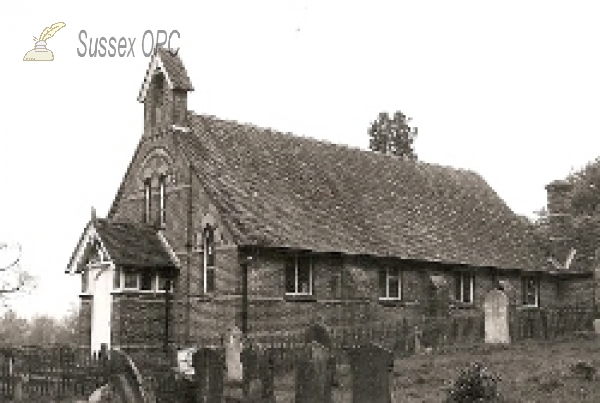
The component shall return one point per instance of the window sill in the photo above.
(86, 295)
(300, 297)
(462, 305)
(528, 307)
(396, 302)
(134, 291)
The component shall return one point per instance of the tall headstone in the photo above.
(315, 368)
(209, 373)
(314, 375)
(233, 355)
(496, 318)
(372, 368)
(267, 377)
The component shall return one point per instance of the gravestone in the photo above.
(267, 376)
(496, 318)
(233, 354)
(209, 367)
(315, 368)
(314, 375)
(235, 387)
(371, 368)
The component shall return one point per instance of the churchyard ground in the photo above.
(530, 371)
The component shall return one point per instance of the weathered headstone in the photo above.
(233, 355)
(267, 377)
(315, 368)
(371, 368)
(209, 367)
(496, 318)
(314, 375)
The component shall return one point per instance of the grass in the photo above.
(532, 371)
(529, 371)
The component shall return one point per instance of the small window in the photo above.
(117, 278)
(130, 280)
(163, 282)
(163, 195)
(209, 260)
(464, 287)
(146, 281)
(85, 281)
(299, 275)
(209, 245)
(390, 284)
(157, 96)
(147, 200)
(531, 291)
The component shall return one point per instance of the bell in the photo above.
(39, 53)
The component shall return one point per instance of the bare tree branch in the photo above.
(17, 260)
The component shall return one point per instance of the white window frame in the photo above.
(536, 282)
(310, 276)
(205, 265)
(153, 280)
(162, 203)
(147, 201)
(460, 276)
(155, 283)
(123, 287)
(389, 276)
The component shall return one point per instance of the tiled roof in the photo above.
(175, 70)
(133, 244)
(280, 190)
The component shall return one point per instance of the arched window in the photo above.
(158, 83)
(162, 181)
(209, 259)
(147, 200)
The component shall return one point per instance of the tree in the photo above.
(393, 135)
(14, 280)
(585, 198)
(13, 329)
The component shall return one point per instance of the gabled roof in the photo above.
(125, 244)
(173, 69)
(279, 190)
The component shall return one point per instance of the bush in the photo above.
(474, 384)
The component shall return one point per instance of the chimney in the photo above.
(560, 219)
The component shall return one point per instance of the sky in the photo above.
(507, 89)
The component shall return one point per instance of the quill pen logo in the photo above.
(40, 52)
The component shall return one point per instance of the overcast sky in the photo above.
(508, 90)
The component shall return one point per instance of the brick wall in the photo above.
(577, 292)
(270, 309)
(138, 319)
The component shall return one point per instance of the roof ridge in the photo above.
(325, 142)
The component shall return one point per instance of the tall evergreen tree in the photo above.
(393, 135)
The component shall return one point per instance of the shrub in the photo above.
(474, 384)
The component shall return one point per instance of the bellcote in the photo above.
(164, 93)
